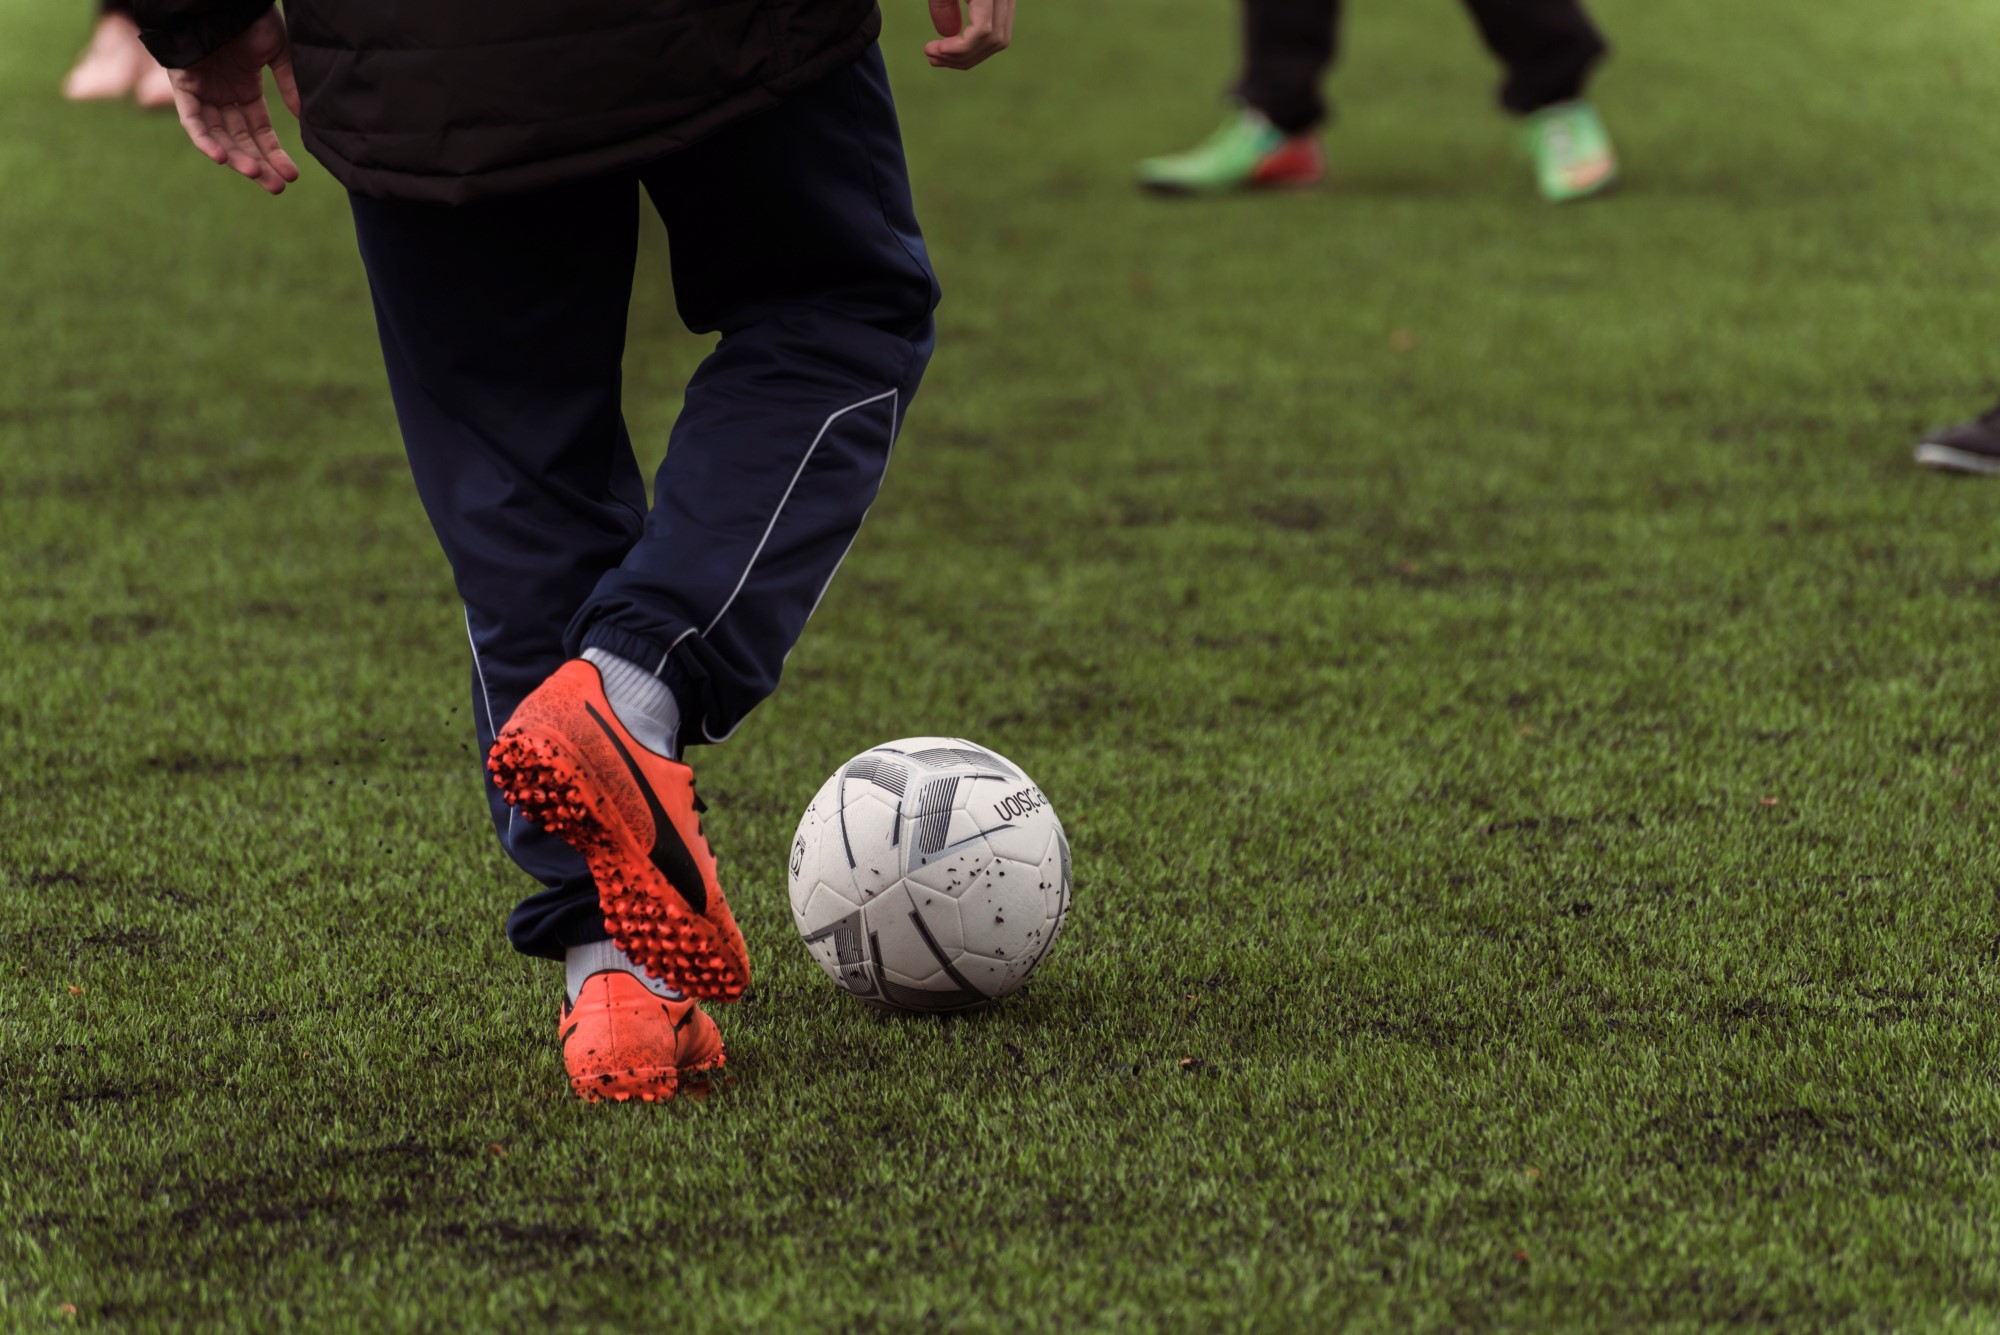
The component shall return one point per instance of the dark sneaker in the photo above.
(1969, 447)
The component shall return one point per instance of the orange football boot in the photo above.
(566, 763)
(621, 1041)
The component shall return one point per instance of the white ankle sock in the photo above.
(580, 962)
(641, 700)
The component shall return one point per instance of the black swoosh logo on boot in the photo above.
(669, 855)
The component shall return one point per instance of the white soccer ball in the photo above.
(929, 874)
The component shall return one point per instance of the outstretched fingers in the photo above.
(194, 119)
(234, 134)
(235, 156)
(239, 135)
(220, 100)
(274, 152)
(245, 155)
(262, 138)
(985, 29)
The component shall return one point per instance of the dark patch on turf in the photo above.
(1612, 1019)
(213, 765)
(118, 627)
(1562, 825)
(1289, 703)
(213, 480)
(1019, 1061)
(112, 1092)
(1744, 1139)
(959, 436)
(1245, 639)
(1776, 736)
(1751, 1011)
(305, 1191)
(68, 878)
(545, 1237)
(84, 1097)
(1141, 512)
(63, 942)
(1292, 514)
(1072, 702)
(519, 1246)
(183, 763)
(370, 474)
(1386, 1018)
(102, 628)
(1452, 793)
(125, 940)
(1446, 575)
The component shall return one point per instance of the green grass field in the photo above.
(1525, 728)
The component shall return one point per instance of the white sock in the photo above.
(641, 701)
(580, 962)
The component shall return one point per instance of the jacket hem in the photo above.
(627, 155)
(196, 37)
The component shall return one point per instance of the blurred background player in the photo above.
(1547, 46)
(1969, 447)
(116, 64)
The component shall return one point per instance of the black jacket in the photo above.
(447, 101)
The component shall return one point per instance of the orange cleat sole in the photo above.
(647, 1084)
(656, 928)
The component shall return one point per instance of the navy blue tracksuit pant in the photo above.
(503, 325)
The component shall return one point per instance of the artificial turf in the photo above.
(1525, 729)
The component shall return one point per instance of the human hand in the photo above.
(221, 102)
(983, 29)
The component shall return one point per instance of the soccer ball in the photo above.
(929, 874)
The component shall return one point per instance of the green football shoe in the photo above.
(1572, 152)
(1247, 152)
